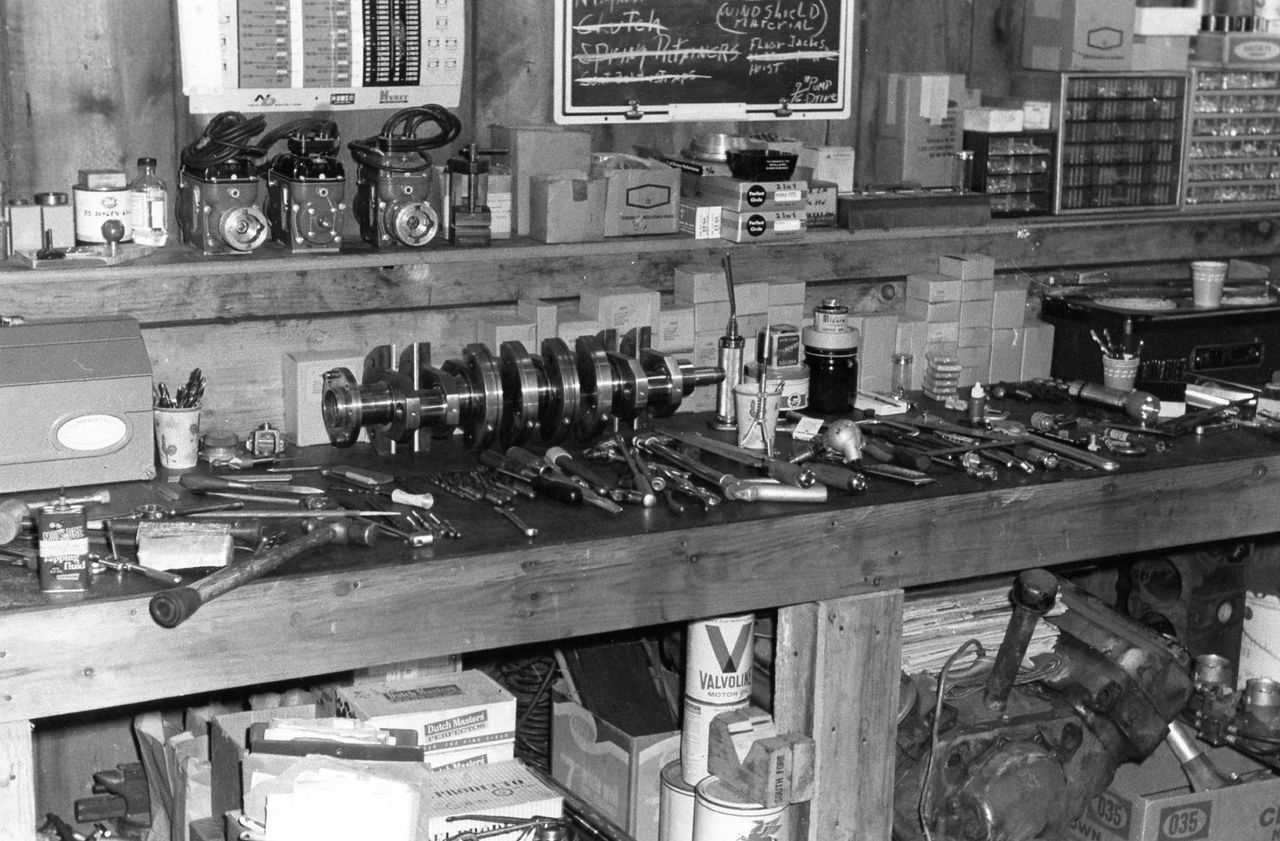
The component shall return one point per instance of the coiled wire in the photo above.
(228, 135)
(399, 139)
(529, 680)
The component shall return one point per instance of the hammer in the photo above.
(170, 608)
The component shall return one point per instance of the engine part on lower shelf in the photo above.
(402, 398)
(1016, 752)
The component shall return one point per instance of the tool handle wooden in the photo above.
(170, 608)
(834, 476)
(799, 475)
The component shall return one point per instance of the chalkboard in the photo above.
(674, 60)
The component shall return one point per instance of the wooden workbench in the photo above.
(838, 569)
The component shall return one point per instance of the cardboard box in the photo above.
(566, 206)
(1238, 49)
(733, 194)
(501, 202)
(303, 375)
(751, 297)
(820, 201)
(1037, 349)
(1009, 303)
(922, 310)
(543, 314)
(642, 196)
(969, 266)
(979, 289)
(976, 314)
(621, 308)
(759, 225)
(697, 283)
(573, 324)
(229, 746)
(493, 330)
(709, 316)
(616, 772)
(992, 120)
(830, 163)
(701, 222)
(786, 292)
(1166, 20)
(1077, 34)
(919, 134)
(537, 150)
(449, 711)
(1037, 114)
(879, 338)
(933, 287)
(1151, 801)
(787, 314)
(1160, 53)
(1006, 355)
(507, 789)
(673, 331)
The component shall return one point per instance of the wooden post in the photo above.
(836, 675)
(17, 782)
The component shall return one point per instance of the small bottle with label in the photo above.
(149, 205)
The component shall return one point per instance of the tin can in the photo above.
(96, 206)
(831, 316)
(718, 659)
(721, 814)
(791, 383)
(695, 736)
(63, 549)
(675, 805)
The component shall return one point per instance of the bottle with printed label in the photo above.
(149, 205)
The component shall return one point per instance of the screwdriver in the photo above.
(532, 469)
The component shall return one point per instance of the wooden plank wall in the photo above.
(93, 83)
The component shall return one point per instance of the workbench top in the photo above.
(588, 571)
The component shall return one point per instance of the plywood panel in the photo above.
(17, 782)
(92, 86)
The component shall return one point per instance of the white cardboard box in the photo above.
(506, 789)
(303, 373)
(449, 711)
(621, 308)
(1152, 801)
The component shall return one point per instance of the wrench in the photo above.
(510, 513)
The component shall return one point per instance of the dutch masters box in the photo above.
(449, 712)
(1153, 802)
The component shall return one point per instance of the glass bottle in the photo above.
(149, 205)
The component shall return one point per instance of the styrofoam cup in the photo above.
(1208, 277)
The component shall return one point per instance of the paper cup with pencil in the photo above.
(1119, 365)
(177, 422)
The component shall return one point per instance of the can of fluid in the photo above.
(718, 659)
(675, 805)
(695, 736)
(63, 548)
(721, 814)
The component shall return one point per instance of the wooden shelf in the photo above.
(178, 285)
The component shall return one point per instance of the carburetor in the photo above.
(217, 208)
(395, 179)
(306, 187)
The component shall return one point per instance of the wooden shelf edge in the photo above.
(176, 260)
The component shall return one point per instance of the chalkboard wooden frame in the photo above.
(695, 60)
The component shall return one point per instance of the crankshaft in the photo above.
(508, 400)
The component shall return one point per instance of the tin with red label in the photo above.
(63, 548)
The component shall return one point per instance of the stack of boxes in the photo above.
(702, 290)
(463, 718)
(963, 314)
